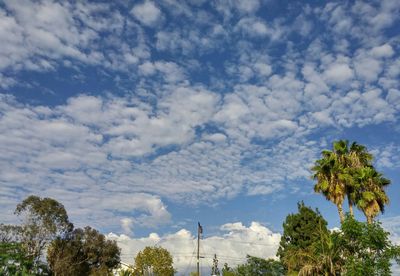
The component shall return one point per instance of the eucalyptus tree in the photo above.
(43, 219)
(83, 252)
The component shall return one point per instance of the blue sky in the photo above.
(148, 116)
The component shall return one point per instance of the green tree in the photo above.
(328, 172)
(356, 157)
(322, 257)
(83, 252)
(257, 266)
(300, 231)
(156, 260)
(366, 248)
(348, 171)
(13, 260)
(43, 220)
(370, 193)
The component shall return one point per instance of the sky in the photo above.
(146, 117)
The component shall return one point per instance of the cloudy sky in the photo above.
(145, 117)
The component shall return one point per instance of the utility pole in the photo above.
(199, 232)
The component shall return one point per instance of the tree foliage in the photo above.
(366, 248)
(13, 260)
(156, 260)
(347, 171)
(359, 248)
(300, 230)
(43, 220)
(260, 267)
(83, 252)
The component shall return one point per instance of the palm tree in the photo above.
(370, 194)
(357, 157)
(327, 172)
(335, 173)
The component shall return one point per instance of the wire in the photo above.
(190, 262)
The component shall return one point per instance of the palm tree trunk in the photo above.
(341, 214)
(350, 208)
(369, 219)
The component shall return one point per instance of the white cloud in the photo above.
(338, 73)
(147, 13)
(231, 246)
(170, 136)
(170, 71)
(253, 27)
(41, 35)
(384, 50)
(368, 68)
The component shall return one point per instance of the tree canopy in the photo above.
(43, 219)
(155, 260)
(255, 266)
(83, 252)
(348, 172)
(300, 230)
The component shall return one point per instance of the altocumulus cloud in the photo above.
(186, 127)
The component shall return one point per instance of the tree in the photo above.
(10, 233)
(370, 193)
(156, 260)
(348, 171)
(322, 257)
(357, 157)
(13, 260)
(43, 220)
(328, 172)
(83, 252)
(366, 248)
(257, 266)
(300, 231)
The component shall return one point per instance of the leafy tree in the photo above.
(322, 257)
(366, 248)
(43, 220)
(83, 252)
(300, 231)
(257, 266)
(13, 259)
(156, 260)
